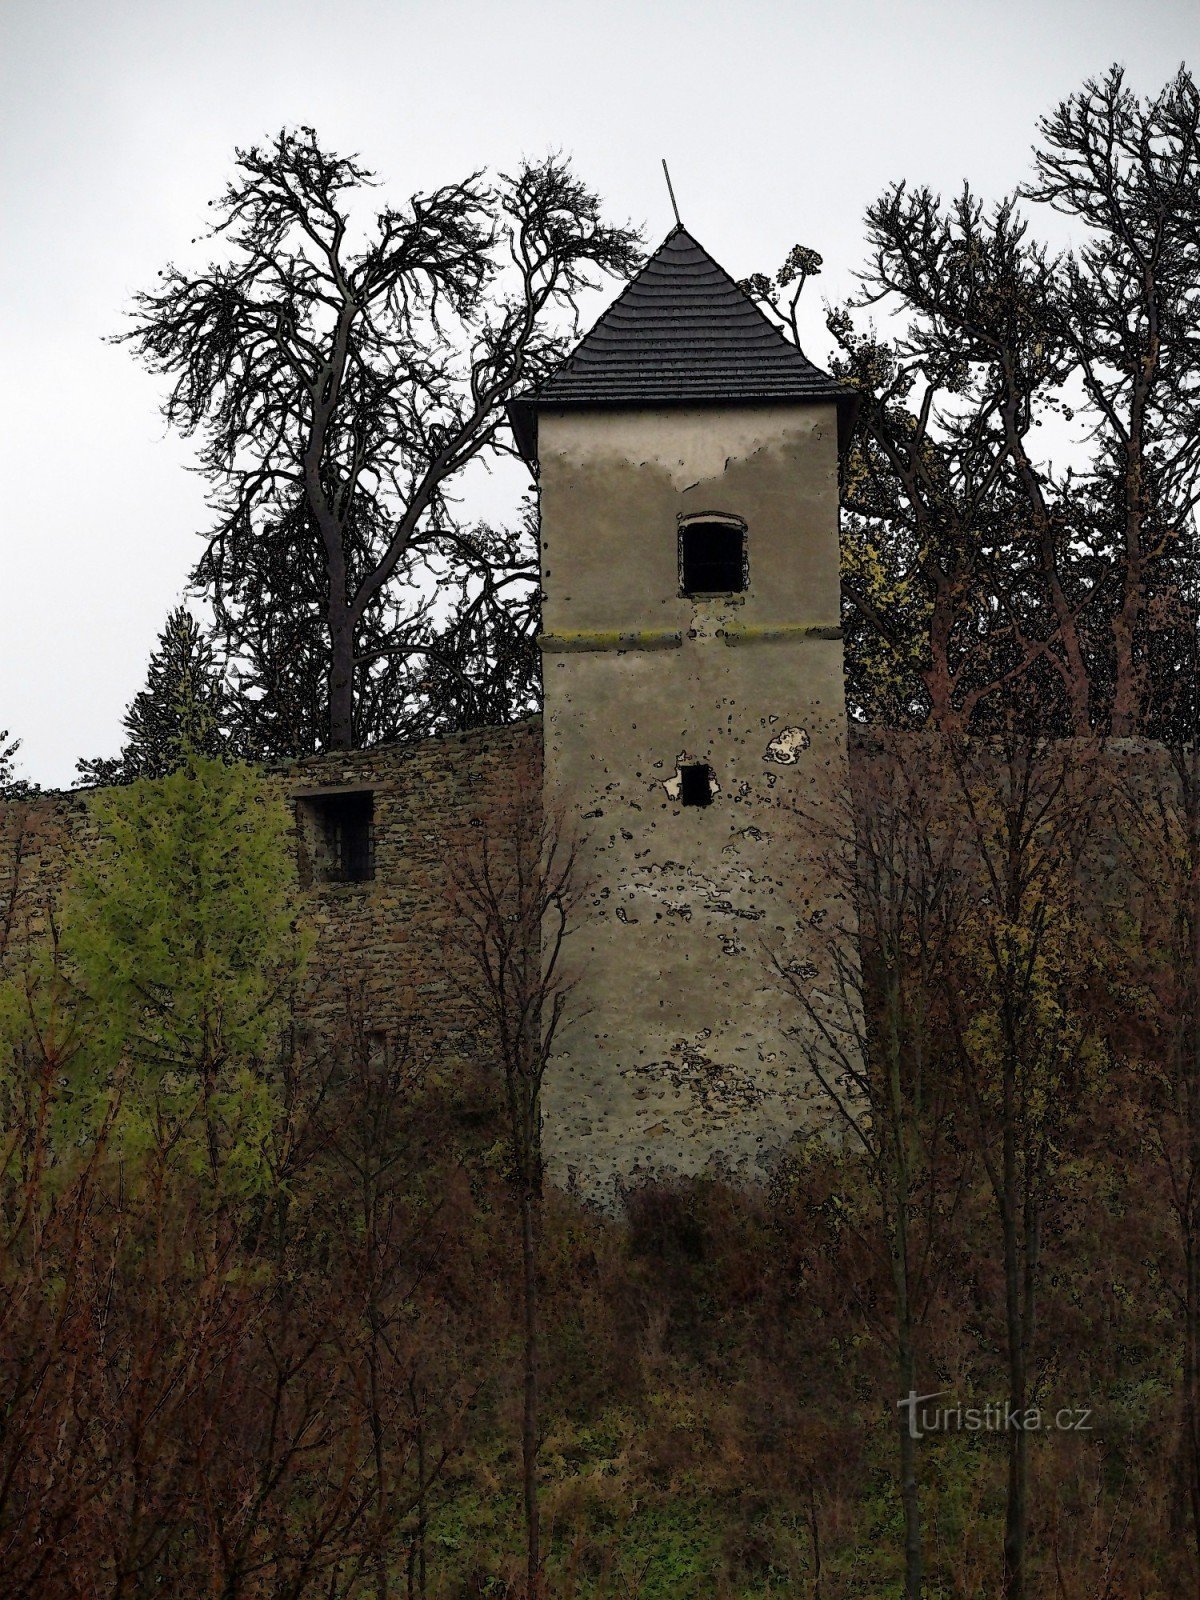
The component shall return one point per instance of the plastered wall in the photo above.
(683, 1061)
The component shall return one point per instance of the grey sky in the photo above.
(781, 122)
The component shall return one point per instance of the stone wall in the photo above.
(390, 936)
(39, 839)
(385, 937)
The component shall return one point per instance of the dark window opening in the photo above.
(348, 819)
(695, 785)
(338, 831)
(712, 557)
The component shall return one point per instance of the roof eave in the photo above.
(522, 418)
(523, 412)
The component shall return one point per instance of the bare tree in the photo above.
(870, 1001)
(949, 604)
(976, 570)
(1156, 958)
(375, 1130)
(517, 884)
(1129, 171)
(342, 390)
(989, 531)
(1026, 1049)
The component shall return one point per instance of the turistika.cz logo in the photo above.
(996, 1416)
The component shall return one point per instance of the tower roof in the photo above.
(680, 333)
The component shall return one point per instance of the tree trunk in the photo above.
(374, 1389)
(1191, 1421)
(341, 678)
(1189, 1050)
(422, 1514)
(416, 1550)
(1075, 679)
(913, 1560)
(938, 677)
(529, 1430)
(814, 1533)
(906, 1361)
(1125, 717)
(1016, 1511)
(382, 1586)
(1128, 674)
(1017, 1287)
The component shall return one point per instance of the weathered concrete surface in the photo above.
(682, 1061)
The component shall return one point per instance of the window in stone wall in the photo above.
(337, 836)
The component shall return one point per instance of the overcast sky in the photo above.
(781, 120)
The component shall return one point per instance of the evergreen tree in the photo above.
(163, 997)
(184, 709)
(12, 787)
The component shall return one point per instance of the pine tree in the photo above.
(182, 711)
(12, 787)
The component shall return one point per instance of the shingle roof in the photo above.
(681, 332)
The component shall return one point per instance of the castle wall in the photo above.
(683, 1060)
(387, 938)
(40, 837)
(731, 879)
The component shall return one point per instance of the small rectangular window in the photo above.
(337, 835)
(695, 785)
(712, 557)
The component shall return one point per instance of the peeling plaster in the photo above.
(684, 443)
(673, 785)
(786, 747)
(716, 1087)
(679, 889)
(743, 835)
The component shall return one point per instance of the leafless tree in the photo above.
(341, 390)
(990, 557)
(1157, 962)
(1129, 171)
(517, 884)
(869, 1002)
(978, 572)
(375, 1130)
(1026, 1047)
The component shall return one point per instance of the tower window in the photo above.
(337, 833)
(695, 785)
(712, 556)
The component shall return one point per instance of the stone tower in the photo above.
(688, 462)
